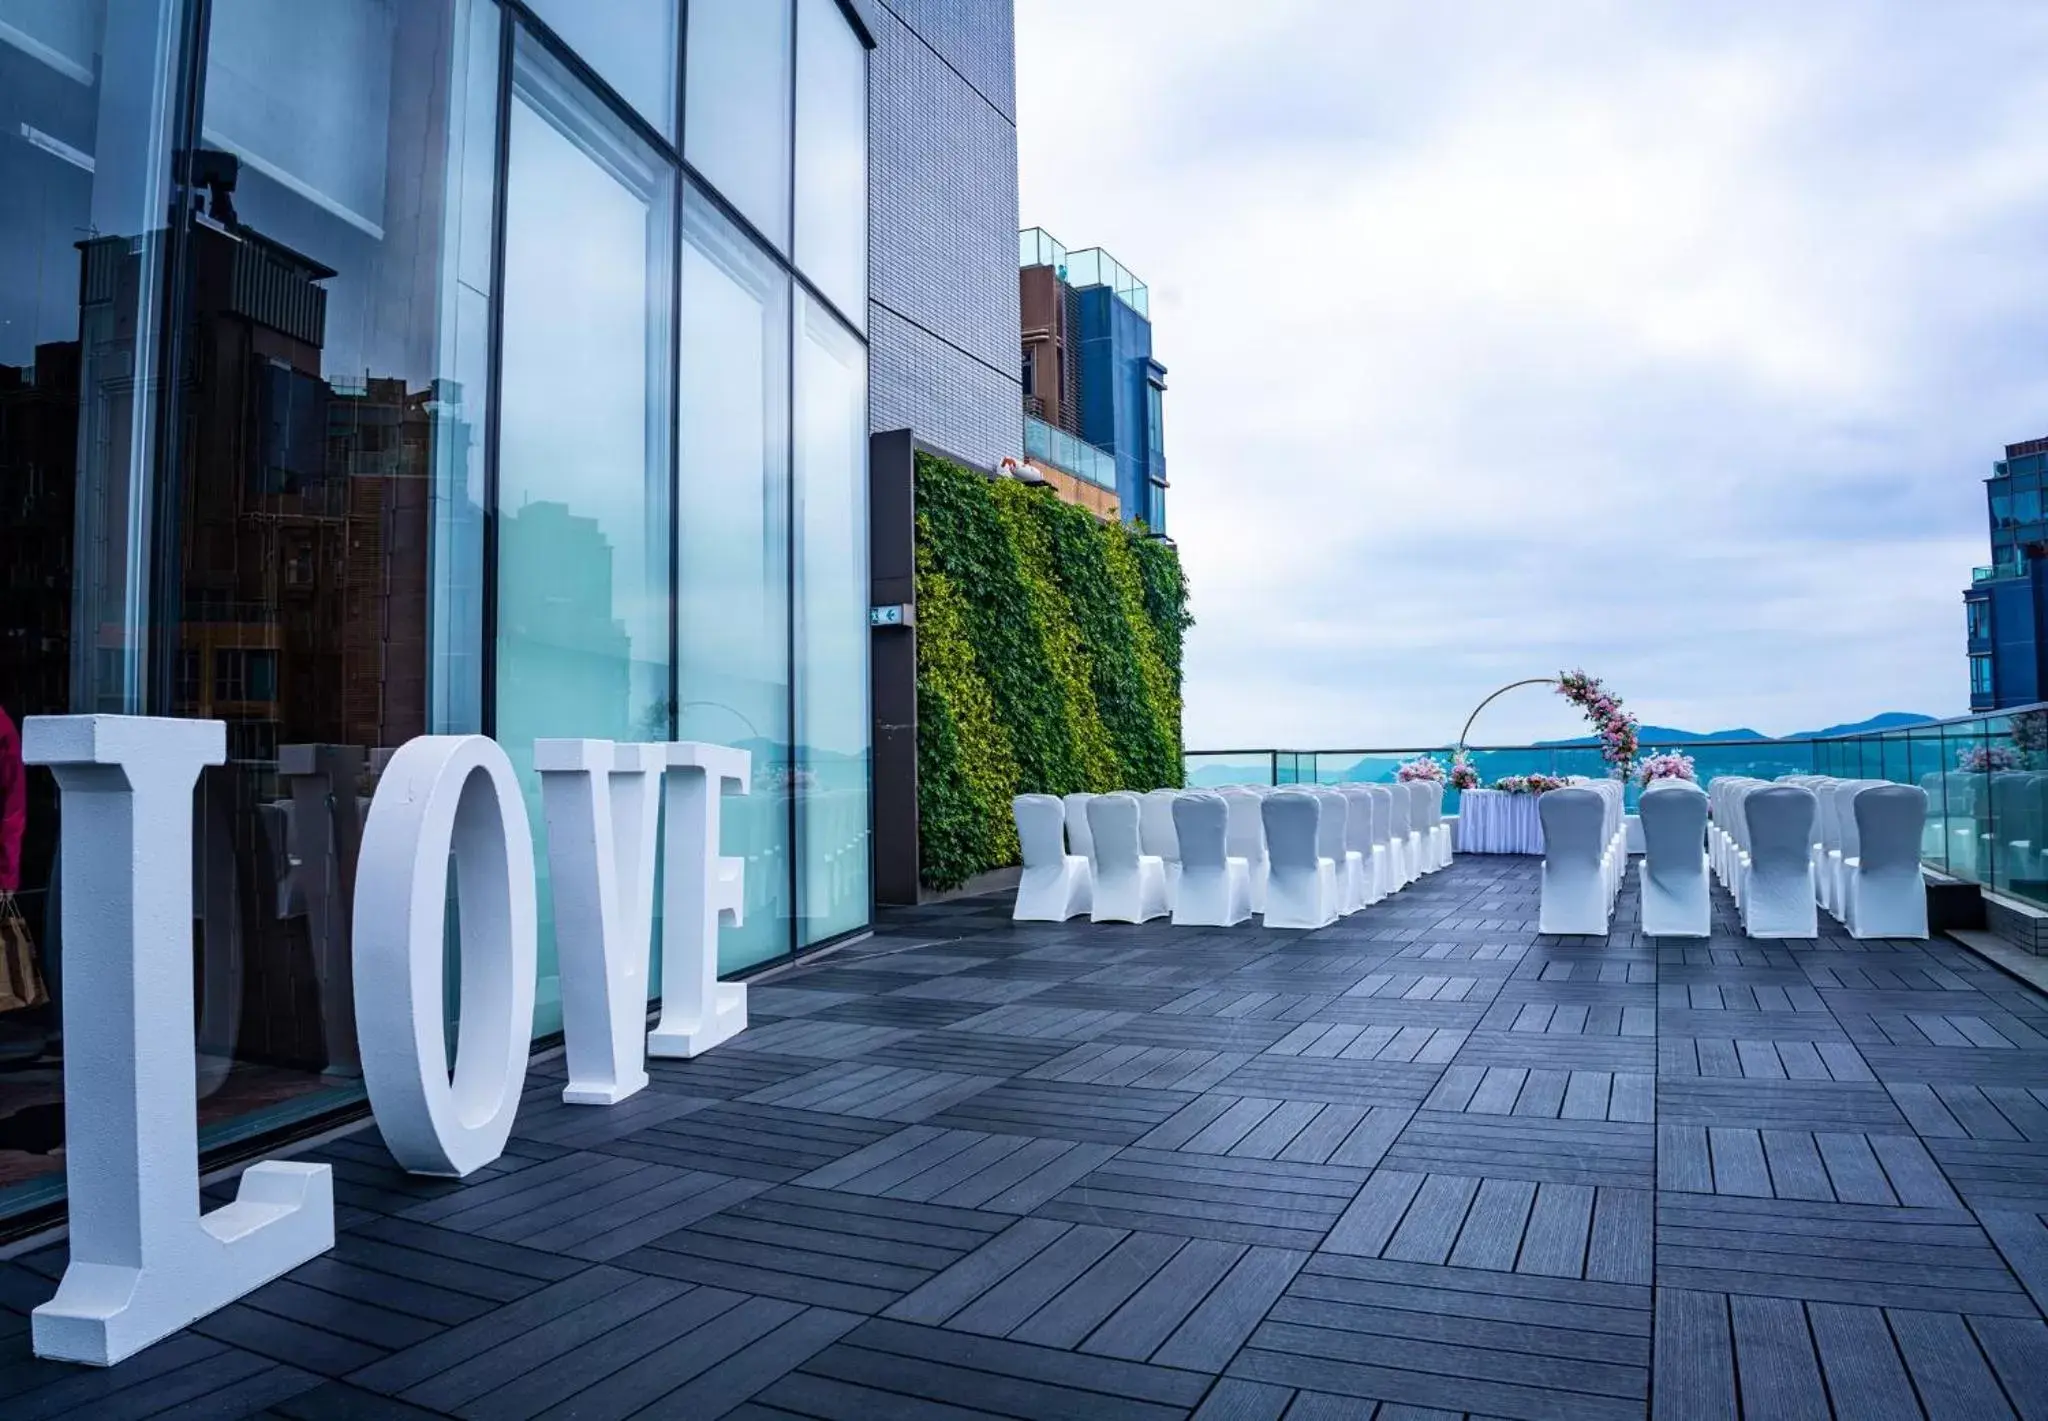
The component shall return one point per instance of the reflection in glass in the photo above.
(732, 514)
(832, 727)
(583, 470)
(317, 409)
(82, 152)
(630, 43)
(736, 114)
(832, 156)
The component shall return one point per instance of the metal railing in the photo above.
(1985, 774)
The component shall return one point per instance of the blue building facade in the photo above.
(2006, 604)
(1090, 370)
(1122, 401)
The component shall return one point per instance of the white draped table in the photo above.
(1492, 821)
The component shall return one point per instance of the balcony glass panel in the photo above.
(1064, 451)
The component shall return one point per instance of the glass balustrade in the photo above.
(1053, 445)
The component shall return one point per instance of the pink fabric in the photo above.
(13, 806)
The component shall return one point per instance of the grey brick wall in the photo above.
(953, 403)
(2021, 929)
(943, 225)
(976, 37)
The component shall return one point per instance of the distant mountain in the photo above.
(1664, 734)
(1375, 767)
(1659, 734)
(1889, 720)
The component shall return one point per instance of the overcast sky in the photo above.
(1670, 340)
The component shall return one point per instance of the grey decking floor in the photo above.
(1423, 1161)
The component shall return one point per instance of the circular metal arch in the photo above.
(1530, 681)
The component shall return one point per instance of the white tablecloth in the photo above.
(1492, 821)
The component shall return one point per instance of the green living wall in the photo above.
(1048, 661)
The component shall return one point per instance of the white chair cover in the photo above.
(1398, 861)
(1247, 840)
(1886, 895)
(1438, 826)
(1156, 836)
(1673, 876)
(1215, 887)
(1055, 884)
(1303, 883)
(1333, 843)
(1777, 893)
(1385, 858)
(1574, 891)
(1079, 841)
(1130, 885)
(1358, 839)
(1418, 827)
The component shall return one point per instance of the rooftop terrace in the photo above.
(1418, 1164)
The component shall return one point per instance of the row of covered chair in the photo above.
(1585, 856)
(1301, 855)
(1787, 848)
(1868, 839)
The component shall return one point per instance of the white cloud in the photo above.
(1673, 341)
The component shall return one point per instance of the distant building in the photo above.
(2006, 605)
(1093, 395)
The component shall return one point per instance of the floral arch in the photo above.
(1616, 729)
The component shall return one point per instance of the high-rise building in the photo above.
(2005, 608)
(1094, 397)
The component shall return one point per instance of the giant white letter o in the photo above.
(443, 795)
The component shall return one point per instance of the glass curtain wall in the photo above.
(86, 117)
(242, 472)
(738, 117)
(732, 573)
(832, 158)
(832, 725)
(583, 437)
(391, 375)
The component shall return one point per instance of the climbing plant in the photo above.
(1049, 656)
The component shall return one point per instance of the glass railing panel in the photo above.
(1064, 451)
(1927, 767)
(1208, 771)
(1038, 247)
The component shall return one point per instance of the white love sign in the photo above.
(443, 797)
(603, 804)
(144, 1262)
(701, 890)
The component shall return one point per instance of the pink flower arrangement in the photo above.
(1983, 759)
(2030, 732)
(1464, 774)
(1614, 727)
(1667, 765)
(1422, 767)
(1528, 784)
